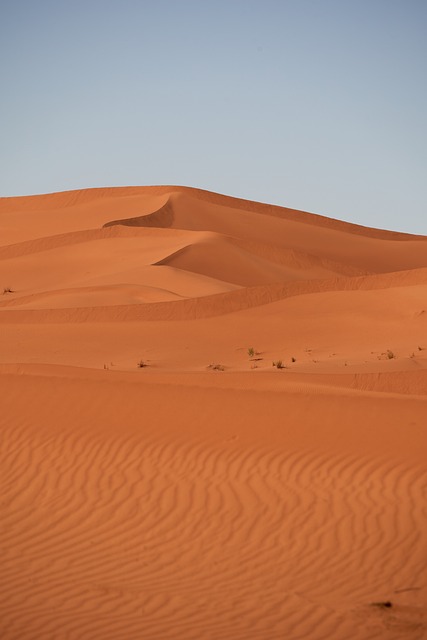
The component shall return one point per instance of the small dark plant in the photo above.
(216, 367)
(293, 359)
(383, 605)
(141, 364)
(390, 355)
(7, 290)
(251, 352)
(278, 364)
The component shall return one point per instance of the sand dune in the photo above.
(160, 479)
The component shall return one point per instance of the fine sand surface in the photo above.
(160, 479)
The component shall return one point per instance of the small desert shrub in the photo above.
(7, 290)
(251, 352)
(278, 364)
(293, 359)
(390, 355)
(216, 367)
(383, 605)
(141, 364)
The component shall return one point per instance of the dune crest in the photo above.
(213, 420)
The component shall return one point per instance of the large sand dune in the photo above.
(207, 494)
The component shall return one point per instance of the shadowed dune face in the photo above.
(160, 478)
(161, 218)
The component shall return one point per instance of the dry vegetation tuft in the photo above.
(278, 364)
(216, 367)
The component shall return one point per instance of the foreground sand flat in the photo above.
(208, 494)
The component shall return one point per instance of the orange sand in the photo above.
(209, 495)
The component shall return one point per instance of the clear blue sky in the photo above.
(314, 104)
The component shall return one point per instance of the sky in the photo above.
(319, 105)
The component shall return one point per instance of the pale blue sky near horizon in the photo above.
(317, 105)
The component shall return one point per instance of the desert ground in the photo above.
(161, 478)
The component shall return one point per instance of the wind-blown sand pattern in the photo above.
(207, 494)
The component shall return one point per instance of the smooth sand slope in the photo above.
(160, 479)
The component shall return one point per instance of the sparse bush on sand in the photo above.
(383, 605)
(251, 352)
(216, 367)
(278, 364)
(141, 364)
(7, 290)
(387, 355)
